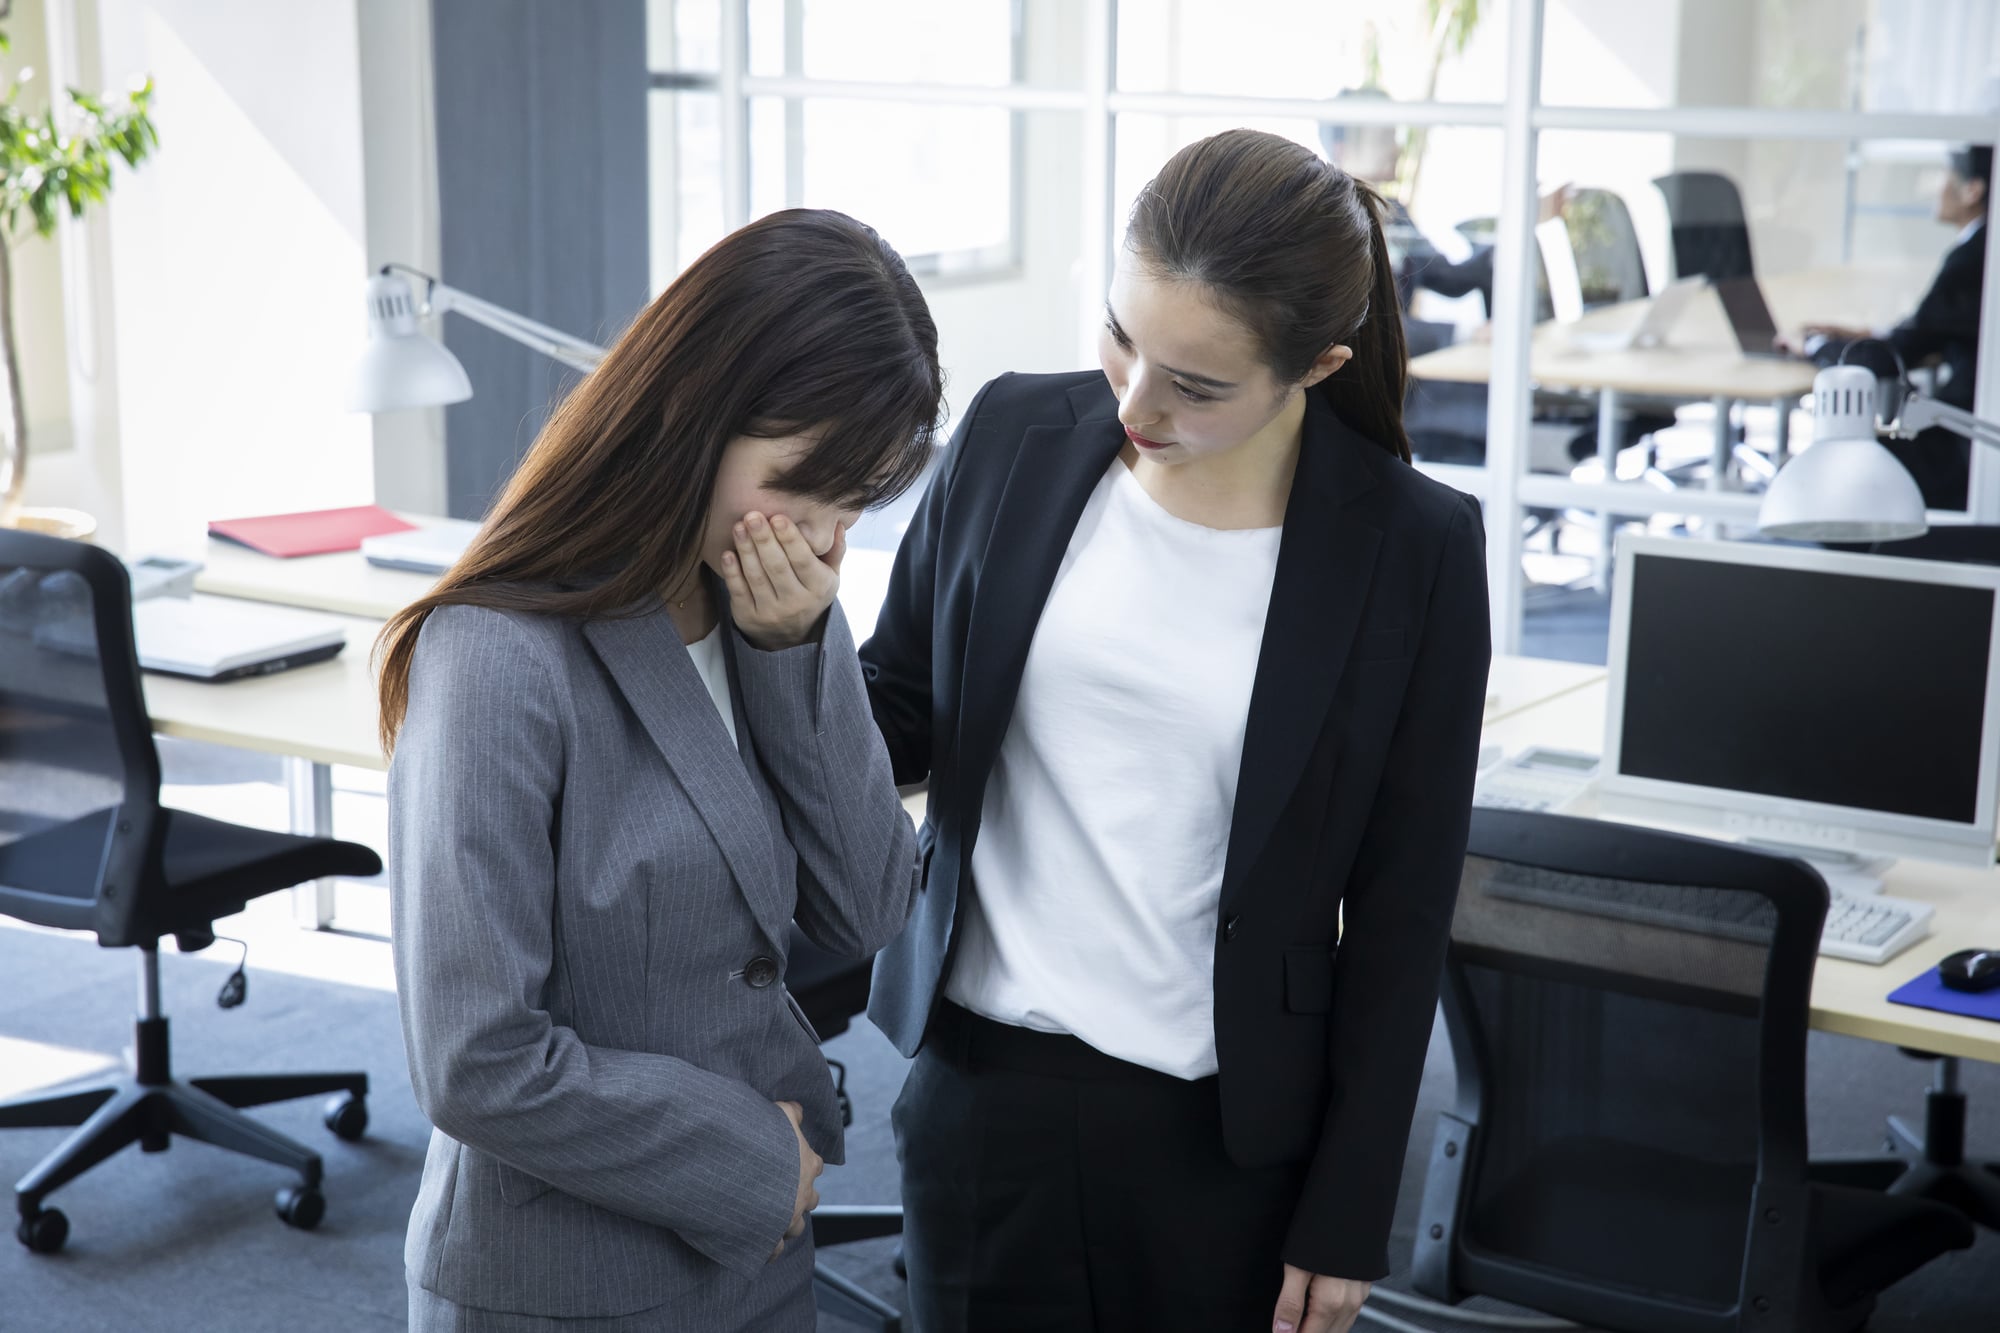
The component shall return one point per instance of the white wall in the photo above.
(62, 300)
(399, 165)
(238, 256)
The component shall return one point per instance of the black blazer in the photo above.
(1945, 323)
(1944, 326)
(1355, 790)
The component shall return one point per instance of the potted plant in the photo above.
(46, 166)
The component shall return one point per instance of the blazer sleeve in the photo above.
(1396, 924)
(896, 660)
(474, 790)
(809, 718)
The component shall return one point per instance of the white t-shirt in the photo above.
(1097, 875)
(714, 671)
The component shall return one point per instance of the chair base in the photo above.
(1927, 1163)
(838, 1224)
(110, 1116)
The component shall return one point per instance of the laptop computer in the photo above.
(427, 550)
(1750, 319)
(1658, 320)
(222, 638)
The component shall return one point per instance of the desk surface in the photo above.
(1847, 997)
(1700, 359)
(325, 712)
(344, 583)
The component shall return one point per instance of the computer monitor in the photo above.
(1812, 699)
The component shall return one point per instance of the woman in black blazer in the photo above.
(1194, 663)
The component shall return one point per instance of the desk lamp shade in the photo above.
(1846, 487)
(402, 366)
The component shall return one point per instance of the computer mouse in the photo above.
(1971, 970)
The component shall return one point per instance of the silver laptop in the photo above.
(426, 550)
(223, 638)
(1662, 312)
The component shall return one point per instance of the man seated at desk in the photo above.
(1944, 328)
(1446, 422)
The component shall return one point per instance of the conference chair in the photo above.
(832, 990)
(1928, 1161)
(1710, 230)
(1627, 1013)
(1610, 265)
(86, 845)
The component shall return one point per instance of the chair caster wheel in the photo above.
(301, 1207)
(902, 1269)
(45, 1232)
(347, 1116)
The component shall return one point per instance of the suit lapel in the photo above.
(1326, 562)
(651, 666)
(1051, 480)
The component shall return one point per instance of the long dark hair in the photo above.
(803, 320)
(1293, 248)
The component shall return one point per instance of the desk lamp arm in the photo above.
(1920, 412)
(439, 298)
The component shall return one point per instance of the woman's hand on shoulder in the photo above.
(778, 589)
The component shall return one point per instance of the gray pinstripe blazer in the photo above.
(591, 888)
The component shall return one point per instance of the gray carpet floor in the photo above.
(187, 1239)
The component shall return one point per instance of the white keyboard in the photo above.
(1872, 928)
(1538, 779)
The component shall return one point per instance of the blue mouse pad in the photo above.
(1927, 992)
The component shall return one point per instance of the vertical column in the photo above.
(1983, 496)
(1100, 55)
(734, 55)
(1509, 398)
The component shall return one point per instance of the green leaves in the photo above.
(44, 169)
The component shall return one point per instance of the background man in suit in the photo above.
(1944, 328)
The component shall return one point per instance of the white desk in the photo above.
(344, 583)
(314, 716)
(322, 714)
(1847, 997)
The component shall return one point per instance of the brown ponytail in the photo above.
(1294, 248)
(1368, 392)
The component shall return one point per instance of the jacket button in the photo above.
(760, 972)
(1229, 928)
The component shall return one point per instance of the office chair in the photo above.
(1928, 1162)
(1609, 263)
(1627, 1012)
(86, 845)
(1711, 232)
(832, 990)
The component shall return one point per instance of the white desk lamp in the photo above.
(402, 366)
(1847, 487)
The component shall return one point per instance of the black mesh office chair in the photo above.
(1928, 1162)
(1711, 232)
(86, 845)
(1627, 1012)
(832, 990)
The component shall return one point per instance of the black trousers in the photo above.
(1048, 1186)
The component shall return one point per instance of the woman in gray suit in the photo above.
(632, 746)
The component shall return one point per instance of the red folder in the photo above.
(314, 533)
